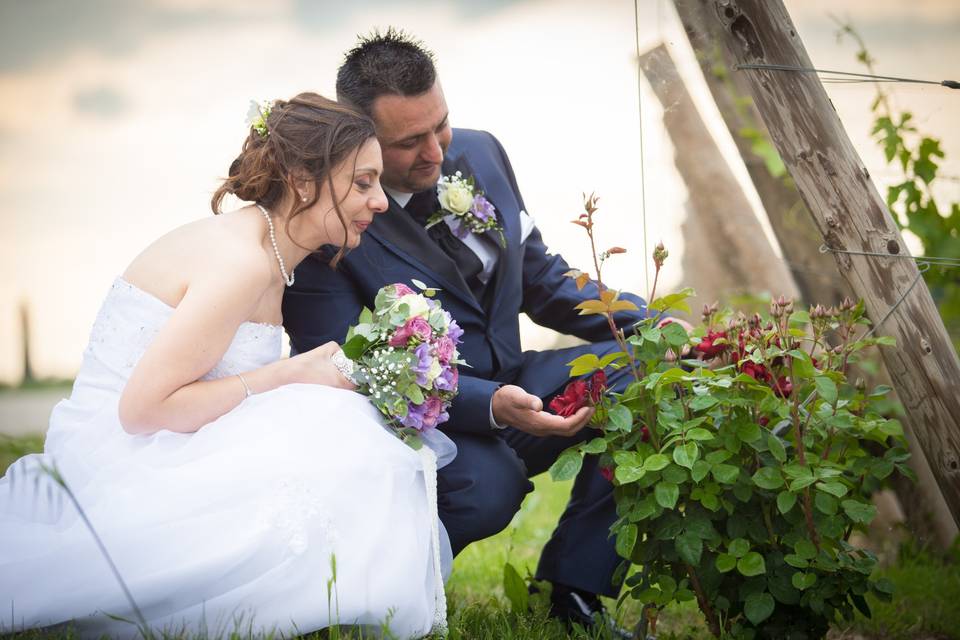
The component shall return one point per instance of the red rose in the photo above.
(644, 433)
(783, 387)
(607, 473)
(571, 400)
(709, 347)
(598, 384)
(764, 421)
(756, 371)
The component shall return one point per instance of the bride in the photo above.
(234, 490)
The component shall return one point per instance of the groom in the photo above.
(502, 433)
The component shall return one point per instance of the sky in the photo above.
(120, 116)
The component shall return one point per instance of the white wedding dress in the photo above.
(232, 528)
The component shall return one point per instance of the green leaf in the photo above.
(587, 363)
(673, 301)
(685, 455)
(802, 481)
(710, 501)
(837, 489)
(626, 539)
(802, 367)
(748, 431)
(702, 402)
(597, 445)
(725, 473)
(700, 470)
(716, 457)
(699, 434)
(785, 501)
(666, 494)
(776, 448)
(758, 607)
(738, 547)
(803, 580)
(515, 589)
(768, 478)
(355, 346)
(805, 549)
(626, 474)
(674, 474)
(827, 389)
(796, 561)
(675, 334)
(689, 546)
(656, 462)
(858, 511)
(725, 562)
(567, 465)
(751, 564)
(825, 503)
(620, 418)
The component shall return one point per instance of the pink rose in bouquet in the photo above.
(406, 358)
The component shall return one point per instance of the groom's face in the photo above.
(414, 133)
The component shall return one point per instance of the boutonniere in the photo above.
(472, 213)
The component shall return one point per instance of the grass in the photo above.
(924, 607)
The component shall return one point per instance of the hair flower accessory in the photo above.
(464, 208)
(257, 116)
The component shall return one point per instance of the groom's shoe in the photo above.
(573, 606)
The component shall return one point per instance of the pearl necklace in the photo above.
(276, 250)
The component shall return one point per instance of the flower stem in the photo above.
(712, 621)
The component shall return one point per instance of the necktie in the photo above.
(423, 205)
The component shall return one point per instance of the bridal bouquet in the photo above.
(405, 358)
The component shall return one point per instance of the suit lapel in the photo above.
(511, 231)
(400, 233)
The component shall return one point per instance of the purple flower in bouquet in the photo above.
(454, 332)
(482, 209)
(426, 415)
(415, 327)
(406, 358)
(423, 364)
(447, 380)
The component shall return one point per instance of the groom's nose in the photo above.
(432, 150)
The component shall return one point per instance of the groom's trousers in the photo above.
(481, 490)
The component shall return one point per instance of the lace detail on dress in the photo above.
(294, 509)
(429, 461)
(131, 318)
(252, 341)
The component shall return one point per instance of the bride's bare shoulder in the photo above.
(228, 245)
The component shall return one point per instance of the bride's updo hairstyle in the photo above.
(303, 138)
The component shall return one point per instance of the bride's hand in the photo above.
(316, 367)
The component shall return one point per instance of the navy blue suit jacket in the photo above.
(528, 279)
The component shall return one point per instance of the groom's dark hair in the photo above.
(391, 63)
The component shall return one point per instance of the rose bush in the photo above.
(741, 471)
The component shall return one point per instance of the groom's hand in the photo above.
(515, 407)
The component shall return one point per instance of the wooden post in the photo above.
(814, 273)
(851, 216)
(725, 249)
